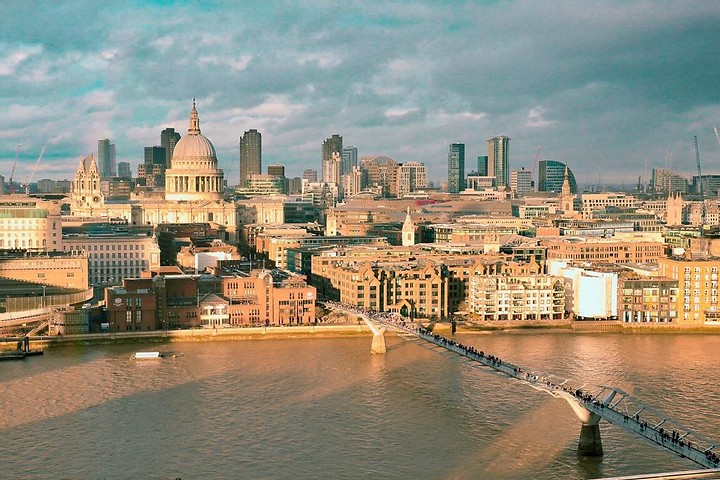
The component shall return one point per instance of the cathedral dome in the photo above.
(193, 146)
(193, 173)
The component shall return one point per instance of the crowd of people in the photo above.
(591, 402)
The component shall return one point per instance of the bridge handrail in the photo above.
(699, 450)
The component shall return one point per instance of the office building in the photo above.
(380, 171)
(411, 177)
(349, 160)
(310, 174)
(113, 253)
(276, 170)
(456, 168)
(168, 139)
(482, 165)
(27, 223)
(124, 170)
(106, 158)
(154, 167)
(499, 160)
(551, 175)
(521, 182)
(250, 155)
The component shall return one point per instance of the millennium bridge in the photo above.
(591, 403)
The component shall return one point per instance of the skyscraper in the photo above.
(168, 138)
(250, 155)
(349, 160)
(551, 175)
(106, 158)
(331, 165)
(499, 160)
(456, 168)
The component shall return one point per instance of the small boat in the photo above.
(146, 355)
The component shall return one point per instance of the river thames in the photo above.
(327, 408)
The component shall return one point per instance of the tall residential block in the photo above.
(499, 160)
(331, 159)
(250, 155)
(106, 158)
(456, 168)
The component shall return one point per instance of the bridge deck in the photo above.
(652, 426)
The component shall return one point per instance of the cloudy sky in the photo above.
(602, 85)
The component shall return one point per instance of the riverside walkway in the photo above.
(591, 403)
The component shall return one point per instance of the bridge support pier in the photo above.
(590, 444)
(378, 341)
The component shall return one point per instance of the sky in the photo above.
(612, 88)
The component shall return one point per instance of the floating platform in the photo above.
(19, 355)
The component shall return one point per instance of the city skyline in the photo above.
(601, 90)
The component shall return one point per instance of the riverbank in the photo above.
(344, 330)
(194, 335)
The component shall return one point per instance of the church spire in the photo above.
(194, 120)
(566, 183)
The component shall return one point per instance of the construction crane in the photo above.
(12, 172)
(717, 135)
(26, 184)
(700, 179)
(532, 174)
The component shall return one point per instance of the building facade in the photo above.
(114, 256)
(28, 223)
(648, 300)
(501, 297)
(697, 288)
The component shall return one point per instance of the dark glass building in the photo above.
(456, 168)
(551, 175)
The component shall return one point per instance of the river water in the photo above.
(327, 408)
